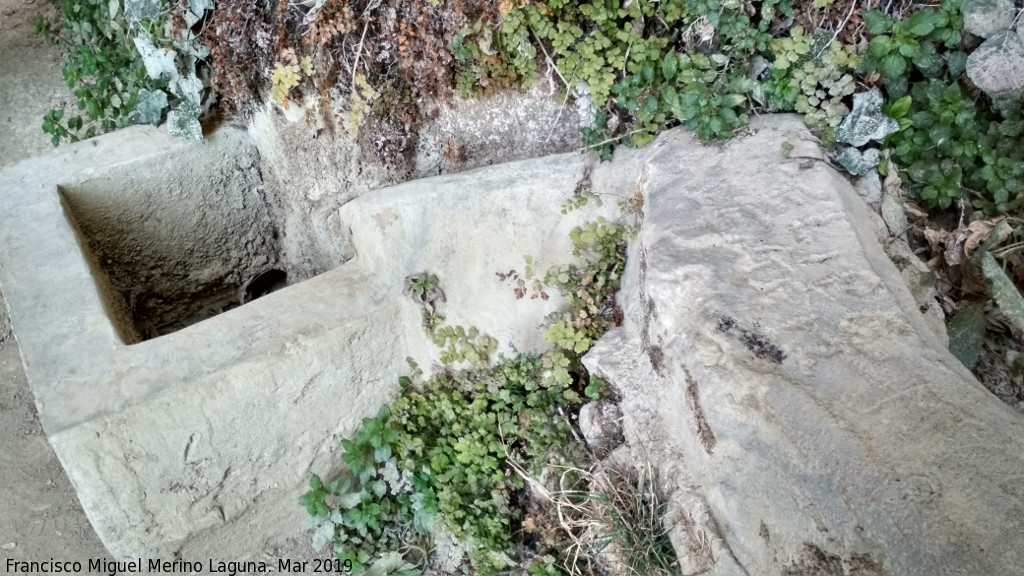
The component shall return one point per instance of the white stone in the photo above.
(986, 17)
(869, 186)
(601, 425)
(997, 66)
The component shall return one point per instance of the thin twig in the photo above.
(568, 89)
(550, 61)
(610, 140)
(359, 54)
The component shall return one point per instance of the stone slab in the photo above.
(774, 363)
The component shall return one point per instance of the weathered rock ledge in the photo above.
(775, 363)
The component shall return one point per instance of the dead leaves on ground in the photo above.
(950, 248)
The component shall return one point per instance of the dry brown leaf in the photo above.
(964, 241)
(954, 253)
(980, 230)
(915, 211)
(936, 240)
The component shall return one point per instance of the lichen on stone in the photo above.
(856, 162)
(866, 121)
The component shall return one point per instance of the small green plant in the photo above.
(425, 290)
(463, 428)
(439, 453)
(631, 511)
(461, 344)
(578, 201)
(595, 390)
(374, 508)
(915, 42)
(287, 74)
(589, 286)
(422, 285)
(360, 102)
(812, 75)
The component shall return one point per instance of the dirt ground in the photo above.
(40, 516)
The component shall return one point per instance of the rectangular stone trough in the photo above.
(180, 442)
(189, 411)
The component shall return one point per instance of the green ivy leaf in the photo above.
(151, 105)
(967, 334)
(669, 65)
(647, 74)
(876, 22)
(956, 62)
(929, 62)
(1004, 292)
(900, 108)
(924, 21)
(880, 46)
(1011, 127)
(910, 49)
(648, 109)
(892, 66)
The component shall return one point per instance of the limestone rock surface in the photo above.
(601, 425)
(997, 66)
(986, 17)
(774, 363)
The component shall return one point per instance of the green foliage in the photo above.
(442, 450)
(901, 46)
(458, 433)
(650, 65)
(951, 143)
(577, 201)
(451, 450)
(421, 285)
(287, 75)
(461, 344)
(103, 69)
(595, 389)
(374, 508)
(812, 75)
(628, 56)
(589, 286)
